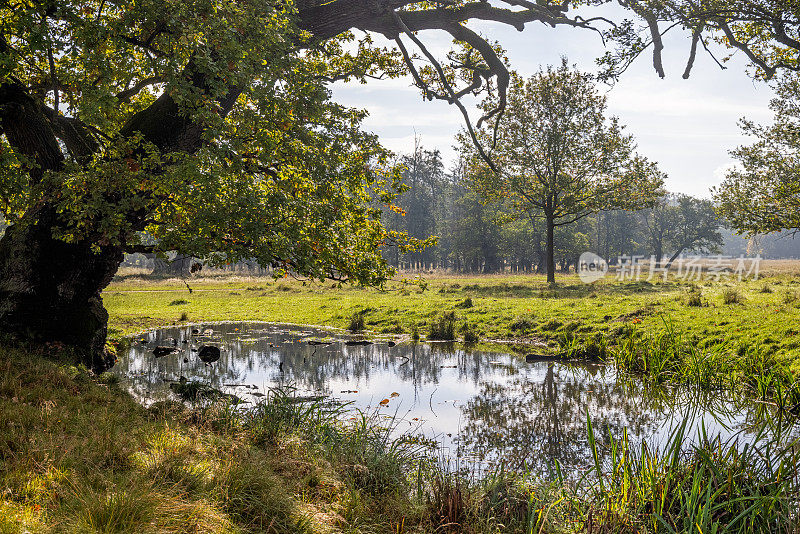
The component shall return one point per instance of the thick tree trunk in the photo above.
(659, 254)
(551, 262)
(50, 289)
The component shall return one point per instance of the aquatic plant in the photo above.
(711, 486)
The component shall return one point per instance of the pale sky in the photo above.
(687, 126)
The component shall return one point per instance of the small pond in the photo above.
(480, 407)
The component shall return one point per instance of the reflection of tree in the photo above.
(255, 349)
(524, 414)
(532, 422)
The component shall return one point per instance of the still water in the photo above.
(480, 407)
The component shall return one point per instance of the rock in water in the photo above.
(163, 351)
(357, 343)
(209, 353)
(533, 358)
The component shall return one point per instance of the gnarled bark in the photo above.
(50, 289)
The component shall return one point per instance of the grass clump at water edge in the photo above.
(443, 327)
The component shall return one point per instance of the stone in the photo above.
(209, 353)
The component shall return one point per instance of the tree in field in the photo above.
(680, 223)
(560, 159)
(659, 221)
(207, 124)
(762, 194)
(693, 225)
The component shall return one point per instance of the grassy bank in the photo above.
(748, 316)
(79, 455)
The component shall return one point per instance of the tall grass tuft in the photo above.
(695, 297)
(790, 296)
(357, 322)
(666, 356)
(470, 333)
(712, 486)
(375, 458)
(443, 327)
(732, 295)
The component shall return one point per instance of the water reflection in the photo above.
(485, 407)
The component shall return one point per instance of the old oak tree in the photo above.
(206, 126)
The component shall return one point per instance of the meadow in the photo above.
(80, 455)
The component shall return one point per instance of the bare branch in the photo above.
(450, 97)
(127, 94)
(696, 35)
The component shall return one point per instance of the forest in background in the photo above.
(475, 236)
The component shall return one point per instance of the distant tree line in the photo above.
(476, 235)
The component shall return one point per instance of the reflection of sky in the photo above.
(490, 406)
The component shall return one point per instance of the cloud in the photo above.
(687, 126)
